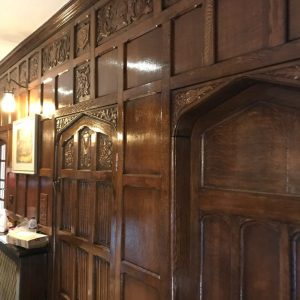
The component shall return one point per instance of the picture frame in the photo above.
(24, 145)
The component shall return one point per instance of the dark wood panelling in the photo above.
(48, 98)
(260, 261)
(141, 227)
(84, 206)
(144, 59)
(240, 32)
(133, 287)
(35, 104)
(45, 209)
(11, 195)
(143, 135)
(293, 12)
(32, 196)
(65, 89)
(107, 73)
(82, 86)
(188, 41)
(81, 275)
(22, 105)
(296, 266)
(66, 213)
(47, 144)
(21, 194)
(66, 270)
(101, 279)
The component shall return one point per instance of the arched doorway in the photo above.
(237, 195)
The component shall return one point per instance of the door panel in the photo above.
(84, 210)
(244, 203)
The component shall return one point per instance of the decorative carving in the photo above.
(291, 73)
(43, 209)
(82, 37)
(185, 98)
(34, 67)
(85, 157)
(107, 114)
(56, 53)
(104, 152)
(69, 154)
(118, 14)
(83, 82)
(23, 73)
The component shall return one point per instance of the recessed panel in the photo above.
(101, 279)
(66, 204)
(260, 262)
(141, 227)
(47, 152)
(49, 98)
(133, 288)
(85, 198)
(143, 119)
(65, 89)
(294, 21)
(296, 266)
(247, 151)
(66, 269)
(81, 274)
(144, 58)
(188, 41)
(107, 73)
(35, 100)
(215, 257)
(243, 26)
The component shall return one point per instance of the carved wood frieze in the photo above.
(183, 99)
(104, 152)
(23, 73)
(82, 82)
(85, 154)
(56, 53)
(105, 114)
(69, 154)
(34, 67)
(116, 15)
(290, 73)
(82, 37)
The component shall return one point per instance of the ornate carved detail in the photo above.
(69, 154)
(34, 67)
(85, 156)
(43, 209)
(185, 98)
(104, 152)
(62, 123)
(118, 14)
(106, 114)
(83, 82)
(291, 73)
(23, 73)
(82, 37)
(56, 53)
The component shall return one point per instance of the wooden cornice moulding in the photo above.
(62, 17)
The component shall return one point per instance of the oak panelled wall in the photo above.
(161, 120)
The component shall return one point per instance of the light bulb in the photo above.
(8, 103)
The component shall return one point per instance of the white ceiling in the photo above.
(20, 18)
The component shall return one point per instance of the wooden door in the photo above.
(244, 212)
(84, 261)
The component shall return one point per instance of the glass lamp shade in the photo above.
(8, 103)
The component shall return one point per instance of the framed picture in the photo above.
(24, 145)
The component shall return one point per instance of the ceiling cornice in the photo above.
(68, 12)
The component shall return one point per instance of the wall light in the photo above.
(8, 102)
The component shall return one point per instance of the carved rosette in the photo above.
(185, 98)
(104, 152)
(34, 67)
(118, 14)
(82, 82)
(23, 73)
(56, 53)
(85, 154)
(107, 114)
(69, 154)
(82, 37)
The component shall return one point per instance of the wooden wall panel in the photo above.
(144, 58)
(84, 206)
(48, 93)
(101, 279)
(66, 213)
(81, 275)
(47, 144)
(260, 255)
(21, 194)
(107, 73)
(141, 227)
(32, 196)
(239, 32)
(143, 125)
(66, 270)
(296, 266)
(22, 105)
(188, 41)
(293, 12)
(35, 104)
(64, 84)
(133, 287)
(45, 206)
(11, 194)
